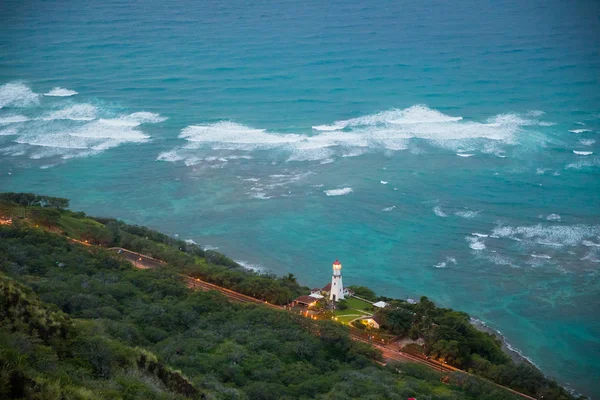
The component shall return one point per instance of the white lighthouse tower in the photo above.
(337, 287)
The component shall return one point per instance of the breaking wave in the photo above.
(13, 119)
(468, 214)
(16, 94)
(77, 112)
(70, 131)
(60, 92)
(391, 130)
(438, 211)
(338, 192)
(552, 235)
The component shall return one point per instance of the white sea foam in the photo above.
(592, 162)
(465, 155)
(589, 243)
(579, 130)
(468, 214)
(171, 156)
(76, 139)
(553, 217)
(550, 235)
(338, 192)
(438, 211)
(388, 209)
(251, 267)
(475, 243)
(481, 235)
(257, 194)
(583, 153)
(544, 256)
(329, 128)
(476, 321)
(16, 94)
(444, 264)
(144, 117)
(60, 92)
(190, 241)
(535, 113)
(327, 161)
(383, 182)
(391, 130)
(9, 131)
(77, 112)
(587, 142)
(13, 119)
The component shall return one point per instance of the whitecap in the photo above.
(259, 195)
(465, 155)
(589, 243)
(468, 214)
(383, 182)
(144, 117)
(579, 130)
(440, 265)
(475, 243)
(388, 209)
(481, 235)
(553, 217)
(77, 112)
(583, 153)
(391, 130)
(544, 256)
(587, 142)
(328, 128)
(9, 131)
(16, 94)
(438, 211)
(593, 162)
(536, 113)
(552, 235)
(327, 161)
(338, 192)
(171, 156)
(13, 119)
(61, 92)
(250, 267)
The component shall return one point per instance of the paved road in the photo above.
(138, 260)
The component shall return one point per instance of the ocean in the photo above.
(444, 149)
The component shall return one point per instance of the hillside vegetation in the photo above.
(79, 322)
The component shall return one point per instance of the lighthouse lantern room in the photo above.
(337, 287)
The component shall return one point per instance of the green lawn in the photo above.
(357, 304)
(356, 308)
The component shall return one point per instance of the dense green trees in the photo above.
(126, 330)
(32, 200)
(227, 350)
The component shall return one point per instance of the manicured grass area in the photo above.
(356, 308)
(358, 304)
(345, 319)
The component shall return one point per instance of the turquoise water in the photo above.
(431, 148)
